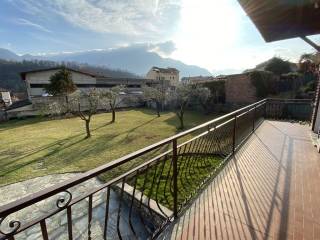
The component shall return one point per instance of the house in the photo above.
(289, 20)
(5, 97)
(37, 80)
(238, 88)
(168, 74)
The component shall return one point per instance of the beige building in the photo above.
(168, 74)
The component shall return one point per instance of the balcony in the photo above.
(252, 173)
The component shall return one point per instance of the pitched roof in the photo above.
(279, 20)
(165, 70)
(23, 74)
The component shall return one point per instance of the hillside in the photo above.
(137, 59)
(10, 71)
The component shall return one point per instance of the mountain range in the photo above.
(135, 59)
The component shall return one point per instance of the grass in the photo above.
(40, 146)
(157, 182)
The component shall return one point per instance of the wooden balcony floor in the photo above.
(269, 190)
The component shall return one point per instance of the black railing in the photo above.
(140, 193)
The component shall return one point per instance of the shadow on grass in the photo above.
(14, 123)
(69, 151)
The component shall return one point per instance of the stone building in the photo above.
(167, 74)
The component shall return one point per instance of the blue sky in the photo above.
(213, 34)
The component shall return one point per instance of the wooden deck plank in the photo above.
(269, 190)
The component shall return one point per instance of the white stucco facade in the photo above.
(35, 81)
(6, 97)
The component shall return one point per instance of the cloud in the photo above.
(163, 48)
(129, 17)
(25, 22)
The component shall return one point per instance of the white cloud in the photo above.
(149, 18)
(25, 22)
(164, 49)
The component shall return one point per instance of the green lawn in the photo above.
(38, 146)
(157, 182)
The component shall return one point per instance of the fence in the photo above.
(289, 109)
(139, 193)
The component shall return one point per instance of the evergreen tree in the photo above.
(61, 84)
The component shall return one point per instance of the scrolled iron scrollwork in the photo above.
(63, 201)
(13, 226)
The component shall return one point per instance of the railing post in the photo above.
(254, 118)
(234, 134)
(175, 177)
(265, 109)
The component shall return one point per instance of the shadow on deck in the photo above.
(270, 189)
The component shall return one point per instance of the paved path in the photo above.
(57, 225)
(269, 190)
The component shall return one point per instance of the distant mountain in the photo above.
(137, 59)
(8, 55)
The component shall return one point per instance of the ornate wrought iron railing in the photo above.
(139, 194)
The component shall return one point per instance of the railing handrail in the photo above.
(57, 188)
(289, 100)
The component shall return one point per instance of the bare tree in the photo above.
(111, 98)
(155, 94)
(180, 98)
(85, 105)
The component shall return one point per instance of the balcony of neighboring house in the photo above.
(253, 173)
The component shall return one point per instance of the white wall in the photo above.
(5, 96)
(44, 78)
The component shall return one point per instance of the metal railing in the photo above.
(138, 194)
(289, 109)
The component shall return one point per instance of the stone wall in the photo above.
(239, 89)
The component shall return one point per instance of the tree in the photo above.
(61, 84)
(85, 105)
(278, 66)
(156, 94)
(203, 94)
(309, 62)
(111, 98)
(180, 98)
(264, 82)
